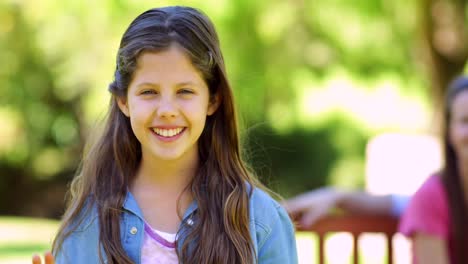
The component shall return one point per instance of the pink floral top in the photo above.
(158, 247)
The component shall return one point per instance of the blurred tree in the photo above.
(39, 155)
(58, 57)
(278, 44)
(302, 159)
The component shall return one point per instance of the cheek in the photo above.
(140, 116)
(140, 109)
(195, 108)
(453, 134)
(459, 134)
(196, 115)
(463, 133)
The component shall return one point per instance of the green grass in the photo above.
(20, 238)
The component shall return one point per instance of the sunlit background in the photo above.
(330, 92)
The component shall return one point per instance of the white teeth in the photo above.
(167, 132)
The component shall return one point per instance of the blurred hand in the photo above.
(308, 208)
(49, 259)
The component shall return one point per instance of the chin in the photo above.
(168, 156)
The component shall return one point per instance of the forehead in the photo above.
(170, 64)
(460, 103)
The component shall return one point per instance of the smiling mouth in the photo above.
(168, 132)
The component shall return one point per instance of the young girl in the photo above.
(437, 214)
(165, 183)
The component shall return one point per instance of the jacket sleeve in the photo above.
(79, 248)
(279, 243)
(82, 245)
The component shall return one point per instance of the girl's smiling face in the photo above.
(167, 102)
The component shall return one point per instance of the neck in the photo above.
(160, 190)
(165, 175)
(168, 175)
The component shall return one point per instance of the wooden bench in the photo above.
(355, 225)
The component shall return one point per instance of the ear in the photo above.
(213, 105)
(122, 103)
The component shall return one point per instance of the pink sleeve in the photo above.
(427, 211)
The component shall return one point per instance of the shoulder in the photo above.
(432, 184)
(427, 211)
(266, 210)
(85, 219)
(431, 190)
(262, 201)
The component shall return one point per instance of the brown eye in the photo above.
(185, 91)
(147, 92)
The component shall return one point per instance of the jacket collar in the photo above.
(130, 204)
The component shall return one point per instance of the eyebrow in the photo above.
(187, 83)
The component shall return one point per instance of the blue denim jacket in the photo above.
(270, 227)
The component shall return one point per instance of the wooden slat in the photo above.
(390, 248)
(355, 248)
(321, 249)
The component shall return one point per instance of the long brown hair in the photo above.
(221, 184)
(451, 178)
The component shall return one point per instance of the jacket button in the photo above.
(133, 230)
(190, 222)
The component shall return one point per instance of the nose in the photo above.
(167, 108)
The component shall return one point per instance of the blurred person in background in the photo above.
(436, 216)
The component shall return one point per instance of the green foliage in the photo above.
(58, 58)
(301, 159)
